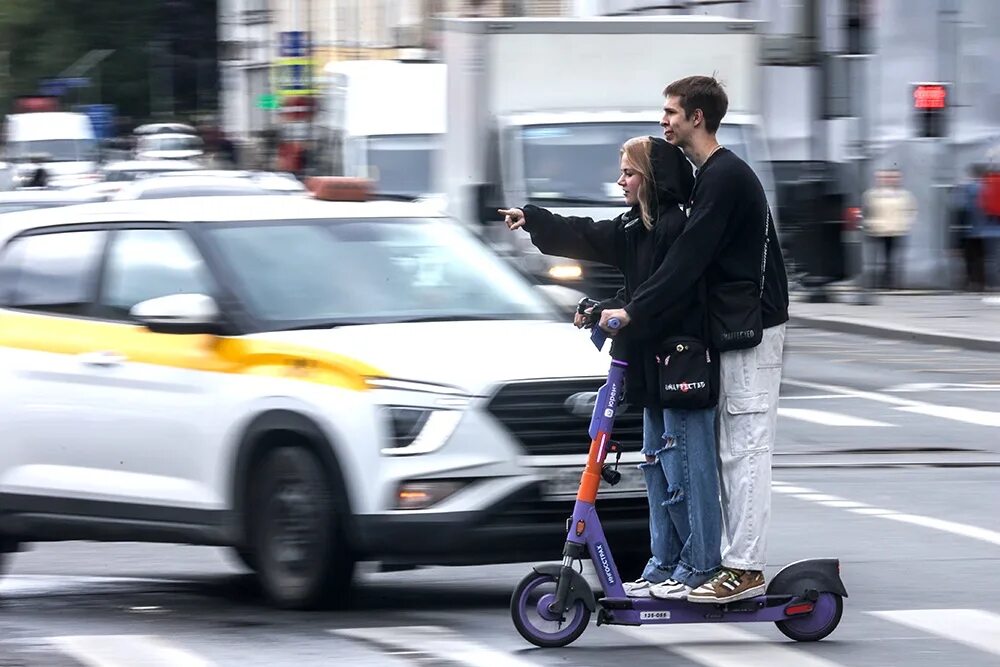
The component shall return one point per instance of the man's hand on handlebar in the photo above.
(619, 314)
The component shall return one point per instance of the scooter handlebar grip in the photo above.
(614, 323)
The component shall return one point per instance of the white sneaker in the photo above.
(638, 588)
(669, 590)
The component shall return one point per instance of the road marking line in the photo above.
(972, 627)
(966, 415)
(965, 530)
(843, 504)
(791, 489)
(815, 397)
(817, 497)
(723, 646)
(826, 418)
(435, 642)
(126, 651)
(943, 386)
(872, 511)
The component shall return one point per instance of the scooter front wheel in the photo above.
(812, 627)
(533, 620)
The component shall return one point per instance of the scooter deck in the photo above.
(764, 609)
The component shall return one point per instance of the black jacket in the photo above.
(723, 241)
(625, 243)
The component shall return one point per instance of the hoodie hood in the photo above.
(673, 175)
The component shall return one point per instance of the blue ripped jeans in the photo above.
(682, 483)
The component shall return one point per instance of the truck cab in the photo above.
(383, 120)
(538, 110)
(62, 143)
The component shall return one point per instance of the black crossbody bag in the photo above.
(735, 311)
(687, 371)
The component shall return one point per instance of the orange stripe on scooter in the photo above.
(591, 479)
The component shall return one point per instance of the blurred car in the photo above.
(164, 128)
(28, 199)
(130, 170)
(308, 382)
(206, 183)
(7, 176)
(163, 146)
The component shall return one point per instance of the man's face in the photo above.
(677, 127)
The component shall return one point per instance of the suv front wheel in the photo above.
(299, 543)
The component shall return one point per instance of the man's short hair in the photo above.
(701, 92)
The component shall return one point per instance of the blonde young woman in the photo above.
(679, 445)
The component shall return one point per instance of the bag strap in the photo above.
(767, 238)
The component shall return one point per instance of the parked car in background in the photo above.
(201, 183)
(162, 146)
(30, 198)
(130, 170)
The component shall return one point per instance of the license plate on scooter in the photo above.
(563, 483)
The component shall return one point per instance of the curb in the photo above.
(841, 325)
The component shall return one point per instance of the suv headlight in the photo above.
(416, 430)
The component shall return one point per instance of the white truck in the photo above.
(62, 143)
(539, 108)
(384, 120)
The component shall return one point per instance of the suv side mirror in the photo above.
(178, 314)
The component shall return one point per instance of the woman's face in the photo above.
(630, 180)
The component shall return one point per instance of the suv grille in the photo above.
(535, 413)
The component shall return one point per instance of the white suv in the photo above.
(309, 382)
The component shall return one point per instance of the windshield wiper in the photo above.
(571, 200)
(395, 196)
(456, 318)
(329, 324)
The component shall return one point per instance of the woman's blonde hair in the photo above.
(637, 150)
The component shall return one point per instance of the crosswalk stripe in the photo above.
(967, 415)
(126, 651)
(724, 646)
(972, 627)
(434, 642)
(965, 530)
(826, 418)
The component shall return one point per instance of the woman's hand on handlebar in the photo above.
(513, 217)
(580, 320)
(619, 314)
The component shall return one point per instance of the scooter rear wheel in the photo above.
(533, 620)
(812, 627)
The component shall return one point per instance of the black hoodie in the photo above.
(625, 243)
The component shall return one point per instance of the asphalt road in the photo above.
(888, 458)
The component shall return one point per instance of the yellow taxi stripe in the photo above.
(201, 352)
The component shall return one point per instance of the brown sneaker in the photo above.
(729, 585)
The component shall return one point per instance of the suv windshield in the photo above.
(577, 163)
(327, 273)
(54, 150)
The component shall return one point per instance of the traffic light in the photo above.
(930, 104)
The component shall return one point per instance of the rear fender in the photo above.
(818, 574)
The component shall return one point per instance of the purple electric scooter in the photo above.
(552, 605)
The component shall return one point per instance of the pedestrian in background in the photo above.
(971, 227)
(888, 215)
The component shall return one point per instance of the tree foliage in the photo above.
(164, 52)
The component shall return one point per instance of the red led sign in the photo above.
(930, 96)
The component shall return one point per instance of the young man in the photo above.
(729, 238)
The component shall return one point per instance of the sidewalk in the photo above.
(943, 318)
